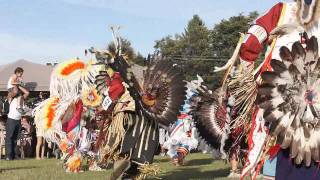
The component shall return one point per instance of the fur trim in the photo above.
(314, 18)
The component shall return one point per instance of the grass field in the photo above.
(198, 166)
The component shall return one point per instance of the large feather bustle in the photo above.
(292, 108)
(211, 118)
(161, 93)
(165, 83)
(69, 80)
(158, 96)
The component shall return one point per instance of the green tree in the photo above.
(189, 48)
(194, 41)
(139, 59)
(198, 49)
(126, 48)
(168, 45)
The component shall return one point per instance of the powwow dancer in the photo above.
(132, 132)
(286, 115)
(214, 118)
(132, 111)
(59, 116)
(182, 139)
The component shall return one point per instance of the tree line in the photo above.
(199, 48)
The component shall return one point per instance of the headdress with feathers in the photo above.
(69, 78)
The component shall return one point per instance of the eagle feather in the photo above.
(291, 100)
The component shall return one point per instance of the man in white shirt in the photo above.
(13, 127)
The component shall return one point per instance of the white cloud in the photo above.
(36, 49)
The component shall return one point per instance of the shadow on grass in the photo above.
(195, 173)
(162, 160)
(17, 168)
(198, 162)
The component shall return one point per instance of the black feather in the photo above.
(277, 66)
(285, 54)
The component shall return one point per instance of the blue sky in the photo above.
(52, 30)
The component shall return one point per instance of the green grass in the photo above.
(198, 166)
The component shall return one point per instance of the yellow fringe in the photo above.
(74, 162)
(117, 131)
(244, 89)
(147, 171)
(116, 128)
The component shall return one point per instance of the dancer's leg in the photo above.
(38, 147)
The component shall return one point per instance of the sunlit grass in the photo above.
(198, 166)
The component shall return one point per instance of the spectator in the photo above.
(5, 109)
(2, 113)
(40, 140)
(1, 106)
(25, 138)
(40, 98)
(26, 125)
(2, 135)
(15, 88)
(13, 127)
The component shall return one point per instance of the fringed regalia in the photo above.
(59, 117)
(132, 134)
(131, 111)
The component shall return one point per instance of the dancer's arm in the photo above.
(116, 88)
(258, 34)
